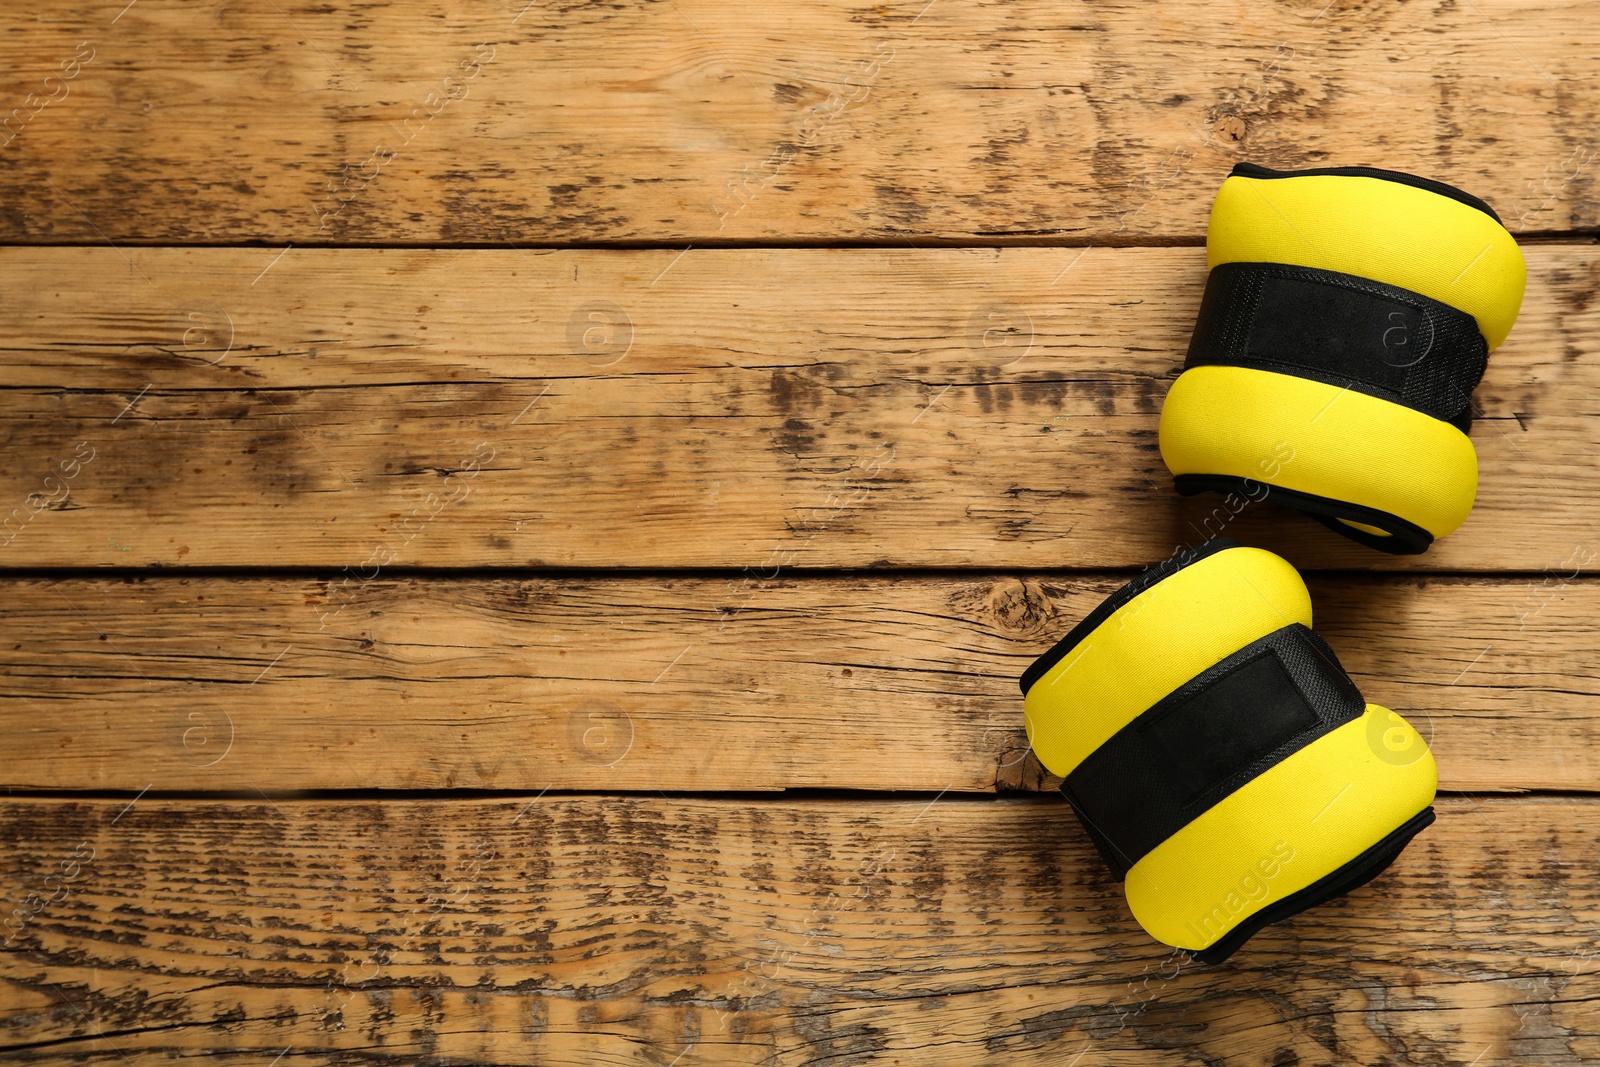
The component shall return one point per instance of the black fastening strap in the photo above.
(1348, 331)
(1206, 739)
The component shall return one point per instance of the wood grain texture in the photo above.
(697, 120)
(608, 930)
(697, 684)
(753, 409)
(665, 481)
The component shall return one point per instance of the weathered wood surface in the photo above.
(752, 409)
(746, 413)
(698, 120)
(608, 930)
(864, 682)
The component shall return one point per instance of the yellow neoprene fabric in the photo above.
(1347, 446)
(1298, 821)
(1378, 229)
(1342, 444)
(1154, 643)
(1295, 823)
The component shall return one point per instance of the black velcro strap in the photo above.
(1338, 328)
(1207, 738)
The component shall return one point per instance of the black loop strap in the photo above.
(1403, 538)
(1344, 330)
(1206, 739)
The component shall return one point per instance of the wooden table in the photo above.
(524, 524)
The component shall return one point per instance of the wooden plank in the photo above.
(610, 930)
(728, 408)
(700, 120)
(862, 682)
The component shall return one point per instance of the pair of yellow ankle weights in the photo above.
(1217, 754)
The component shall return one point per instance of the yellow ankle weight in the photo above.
(1348, 315)
(1221, 760)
